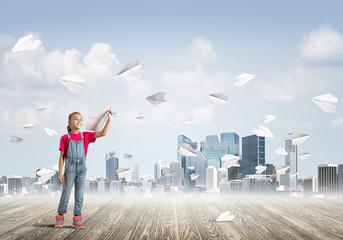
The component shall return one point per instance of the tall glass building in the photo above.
(135, 173)
(183, 139)
(214, 151)
(112, 165)
(340, 179)
(327, 179)
(200, 164)
(176, 179)
(157, 170)
(232, 141)
(291, 160)
(253, 154)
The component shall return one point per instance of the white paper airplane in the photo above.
(140, 116)
(132, 69)
(128, 156)
(299, 138)
(45, 174)
(122, 172)
(187, 150)
(26, 43)
(281, 169)
(281, 151)
(188, 120)
(166, 171)
(146, 177)
(194, 176)
(15, 139)
(73, 82)
(50, 132)
(325, 102)
(41, 108)
(269, 118)
(56, 167)
(28, 125)
(204, 143)
(219, 98)
(156, 98)
(225, 217)
(243, 79)
(230, 164)
(97, 122)
(260, 169)
(303, 155)
(230, 157)
(263, 132)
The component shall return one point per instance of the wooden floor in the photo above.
(175, 218)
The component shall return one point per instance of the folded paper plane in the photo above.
(325, 102)
(299, 138)
(41, 108)
(73, 82)
(304, 155)
(140, 117)
(219, 98)
(122, 172)
(132, 69)
(281, 169)
(188, 120)
(97, 122)
(128, 156)
(260, 169)
(50, 132)
(269, 118)
(15, 139)
(26, 43)
(146, 177)
(243, 79)
(281, 151)
(187, 150)
(204, 143)
(263, 132)
(225, 217)
(194, 176)
(28, 125)
(156, 98)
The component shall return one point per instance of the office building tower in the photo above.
(200, 164)
(214, 151)
(310, 185)
(135, 173)
(157, 170)
(164, 181)
(14, 185)
(253, 154)
(340, 179)
(291, 160)
(211, 178)
(232, 141)
(327, 179)
(3, 180)
(112, 165)
(176, 179)
(189, 183)
(183, 139)
(270, 169)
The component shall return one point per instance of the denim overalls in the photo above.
(75, 171)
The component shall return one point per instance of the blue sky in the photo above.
(187, 49)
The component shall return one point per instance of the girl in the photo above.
(73, 152)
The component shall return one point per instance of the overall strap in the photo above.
(81, 135)
(68, 135)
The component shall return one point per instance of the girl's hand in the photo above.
(110, 114)
(60, 178)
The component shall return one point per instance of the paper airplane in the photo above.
(122, 172)
(194, 176)
(230, 157)
(50, 132)
(263, 132)
(219, 98)
(299, 138)
(223, 173)
(204, 143)
(304, 155)
(281, 169)
(188, 120)
(97, 122)
(56, 167)
(45, 174)
(41, 108)
(230, 164)
(325, 102)
(15, 139)
(73, 82)
(243, 79)
(140, 116)
(156, 98)
(146, 178)
(26, 43)
(28, 125)
(128, 156)
(166, 171)
(281, 151)
(132, 69)
(225, 217)
(269, 118)
(187, 150)
(260, 169)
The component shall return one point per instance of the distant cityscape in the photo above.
(217, 168)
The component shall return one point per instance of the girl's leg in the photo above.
(80, 182)
(69, 177)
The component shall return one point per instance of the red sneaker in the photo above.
(77, 222)
(59, 221)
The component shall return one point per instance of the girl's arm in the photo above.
(107, 125)
(60, 167)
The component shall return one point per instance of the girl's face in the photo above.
(75, 122)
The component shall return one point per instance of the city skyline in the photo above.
(182, 54)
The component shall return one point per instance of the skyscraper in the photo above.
(200, 164)
(232, 141)
(291, 160)
(157, 170)
(176, 179)
(135, 173)
(183, 139)
(340, 179)
(112, 165)
(214, 151)
(14, 185)
(327, 179)
(211, 178)
(253, 154)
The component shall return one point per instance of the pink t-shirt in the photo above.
(88, 137)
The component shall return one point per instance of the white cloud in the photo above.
(202, 50)
(165, 114)
(275, 93)
(136, 86)
(203, 115)
(322, 44)
(337, 123)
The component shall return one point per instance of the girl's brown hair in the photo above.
(69, 118)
